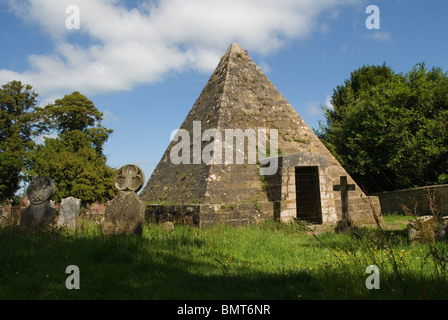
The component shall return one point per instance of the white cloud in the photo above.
(379, 35)
(144, 163)
(324, 28)
(328, 103)
(265, 67)
(123, 47)
(109, 117)
(313, 108)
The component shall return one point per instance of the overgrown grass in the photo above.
(266, 261)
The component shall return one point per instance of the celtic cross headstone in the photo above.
(40, 213)
(125, 213)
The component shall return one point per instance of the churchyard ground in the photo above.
(266, 261)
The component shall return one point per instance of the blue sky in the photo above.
(144, 63)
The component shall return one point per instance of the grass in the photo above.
(266, 261)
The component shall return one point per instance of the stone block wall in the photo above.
(206, 214)
(187, 214)
(416, 200)
(236, 214)
(361, 209)
(239, 198)
(281, 187)
(281, 191)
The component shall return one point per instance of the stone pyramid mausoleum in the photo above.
(201, 179)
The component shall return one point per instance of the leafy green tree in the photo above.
(75, 167)
(74, 160)
(18, 126)
(390, 130)
(76, 112)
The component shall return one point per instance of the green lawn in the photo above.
(267, 261)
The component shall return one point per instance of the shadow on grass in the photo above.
(32, 266)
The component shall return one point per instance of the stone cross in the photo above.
(344, 188)
(125, 213)
(39, 213)
(130, 178)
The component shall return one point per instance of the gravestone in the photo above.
(68, 212)
(125, 213)
(428, 228)
(40, 213)
(3, 214)
(344, 224)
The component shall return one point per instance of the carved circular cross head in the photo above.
(40, 190)
(130, 178)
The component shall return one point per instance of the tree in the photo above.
(75, 167)
(18, 126)
(390, 130)
(76, 112)
(74, 160)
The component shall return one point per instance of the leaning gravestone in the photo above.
(428, 228)
(40, 213)
(68, 212)
(125, 213)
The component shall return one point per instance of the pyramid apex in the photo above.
(235, 48)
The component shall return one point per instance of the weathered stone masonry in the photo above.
(239, 96)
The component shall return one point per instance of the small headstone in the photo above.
(125, 213)
(68, 212)
(3, 214)
(168, 226)
(428, 228)
(40, 213)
